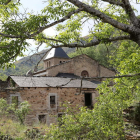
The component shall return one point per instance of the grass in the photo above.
(12, 128)
(19, 132)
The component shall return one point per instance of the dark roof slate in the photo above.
(67, 75)
(56, 52)
(96, 82)
(23, 81)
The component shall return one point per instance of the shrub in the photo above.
(22, 111)
(5, 137)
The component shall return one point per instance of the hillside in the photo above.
(99, 53)
(27, 63)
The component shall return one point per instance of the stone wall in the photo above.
(39, 99)
(54, 61)
(3, 85)
(79, 64)
(105, 71)
(3, 94)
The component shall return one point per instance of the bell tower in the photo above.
(54, 57)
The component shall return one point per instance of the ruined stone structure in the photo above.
(59, 83)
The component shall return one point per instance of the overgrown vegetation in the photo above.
(9, 127)
(102, 53)
(116, 21)
(12, 123)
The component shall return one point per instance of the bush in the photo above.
(5, 137)
(32, 133)
(22, 111)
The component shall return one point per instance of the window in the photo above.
(88, 100)
(42, 119)
(15, 101)
(84, 73)
(52, 99)
(60, 61)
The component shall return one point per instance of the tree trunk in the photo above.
(135, 38)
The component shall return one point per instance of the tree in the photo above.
(101, 53)
(16, 28)
(115, 20)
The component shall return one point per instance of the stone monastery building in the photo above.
(58, 83)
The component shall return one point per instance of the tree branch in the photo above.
(17, 53)
(8, 46)
(119, 76)
(128, 9)
(47, 26)
(62, 84)
(105, 18)
(56, 22)
(94, 42)
(93, 78)
(8, 1)
(10, 36)
(52, 39)
(114, 2)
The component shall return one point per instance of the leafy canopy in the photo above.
(110, 21)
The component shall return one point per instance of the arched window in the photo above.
(84, 73)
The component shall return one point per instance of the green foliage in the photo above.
(106, 120)
(3, 107)
(89, 124)
(101, 53)
(25, 64)
(22, 111)
(136, 113)
(33, 133)
(11, 129)
(3, 77)
(5, 137)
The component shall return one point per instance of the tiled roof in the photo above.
(56, 52)
(23, 81)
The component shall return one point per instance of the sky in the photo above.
(37, 5)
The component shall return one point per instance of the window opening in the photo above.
(84, 73)
(42, 119)
(52, 99)
(60, 61)
(88, 99)
(15, 101)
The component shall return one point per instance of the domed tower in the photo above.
(54, 57)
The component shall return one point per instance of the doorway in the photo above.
(88, 99)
